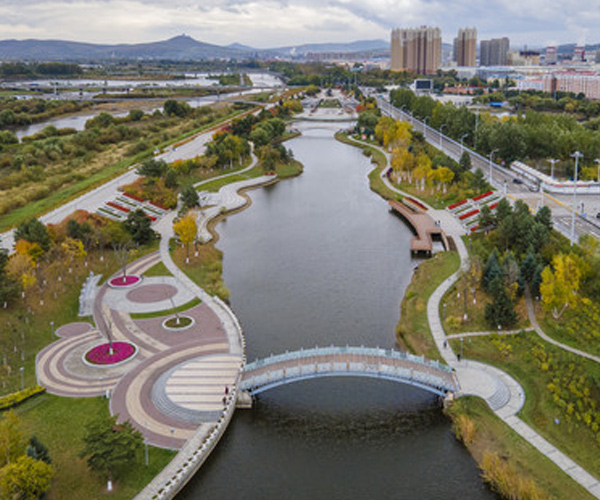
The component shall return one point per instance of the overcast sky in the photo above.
(271, 23)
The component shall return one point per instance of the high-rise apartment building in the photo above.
(494, 52)
(465, 47)
(418, 50)
(551, 55)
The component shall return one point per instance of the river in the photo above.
(320, 260)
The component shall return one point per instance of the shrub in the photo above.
(16, 398)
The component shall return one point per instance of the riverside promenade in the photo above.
(503, 393)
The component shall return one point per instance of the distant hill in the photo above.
(183, 48)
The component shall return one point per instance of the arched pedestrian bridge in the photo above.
(388, 364)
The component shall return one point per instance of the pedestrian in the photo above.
(458, 357)
(445, 344)
(226, 390)
(224, 400)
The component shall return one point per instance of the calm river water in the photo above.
(320, 260)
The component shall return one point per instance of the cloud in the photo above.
(268, 23)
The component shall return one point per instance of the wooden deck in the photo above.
(423, 225)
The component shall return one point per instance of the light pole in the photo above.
(441, 134)
(462, 148)
(575, 155)
(552, 163)
(425, 123)
(22, 369)
(491, 161)
(597, 160)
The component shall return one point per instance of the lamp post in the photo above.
(425, 123)
(462, 148)
(575, 155)
(491, 162)
(597, 160)
(441, 135)
(552, 163)
(22, 370)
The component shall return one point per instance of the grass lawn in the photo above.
(158, 270)
(569, 329)
(59, 423)
(413, 331)
(217, 184)
(456, 306)
(493, 435)
(206, 270)
(517, 355)
(168, 312)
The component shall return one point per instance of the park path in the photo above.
(503, 393)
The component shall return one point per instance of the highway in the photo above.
(504, 180)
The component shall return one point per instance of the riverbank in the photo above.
(506, 441)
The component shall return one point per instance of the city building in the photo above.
(584, 82)
(465, 47)
(551, 55)
(494, 52)
(418, 50)
(579, 54)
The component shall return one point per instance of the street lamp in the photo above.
(462, 148)
(575, 155)
(491, 161)
(425, 123)
(552, 162)
(441, 135)
(22, 369)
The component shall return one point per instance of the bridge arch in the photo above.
(387, 364)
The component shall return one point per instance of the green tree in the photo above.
(544, 217)
(189, 198)
(34, 231)
(486, 218)
(38, 450)
(491, 270)
(478, 182)
(501, 311)
(465, 162)
(12, 440)
(25, 479)
(9, 287)
(109, 447)
(152, 168)
(138, 225)
(171, 179)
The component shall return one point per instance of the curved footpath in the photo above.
(504, 394)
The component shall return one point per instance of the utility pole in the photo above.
(575, 155)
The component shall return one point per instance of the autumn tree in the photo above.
(25, 478)
(186, 229)
(560, 284)
(34, 231)
(12, 440)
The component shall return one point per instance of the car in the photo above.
(517, 181)
(598, 215)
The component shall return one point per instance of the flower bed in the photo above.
(117, 206)
(482, 196)
(173, 324)
(158, 205)
(417, 202)
(469, 214)
(456, 205)
(101, 354)
(136, 198)
(124, 281)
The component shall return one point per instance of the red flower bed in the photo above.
(482, 196)
(117, 206)
(136, 198)
(457, 204)
(158, 205)
(124, 280)
(493, 205)
(101, 355)
(469, 214)
(475, 228)
(417, 202)
(151, 217)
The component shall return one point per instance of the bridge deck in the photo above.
(424, 226)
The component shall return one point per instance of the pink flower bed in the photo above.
(416, 202)
(101, 355)
(124, 280)
(457, 204)
(117, 206)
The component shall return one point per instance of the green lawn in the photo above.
(413, 330)
(167, 312)
(518, 356)
(158, 270)
(59, 423)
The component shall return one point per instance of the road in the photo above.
(504, 180)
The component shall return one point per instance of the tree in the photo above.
(34, 231)
(186, 229)
(559, 287)
(465, 162)
(12, 441)
(110, 446)
(486, 219)
(138, 225)
(152, 168)
(9, 287)
(478, 182)
(171, 179)
(544, 217)
(25, 479)
(501, 311)
(492, 270)
(38, 450)
(189, 197)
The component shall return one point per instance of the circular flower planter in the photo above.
(184, 323)
(101, 355)
(124, 281)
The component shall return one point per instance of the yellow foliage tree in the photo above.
(32, 250)
(74, 248)
(22, 268)
(444, 176)
(559, 287)
(186, 229)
